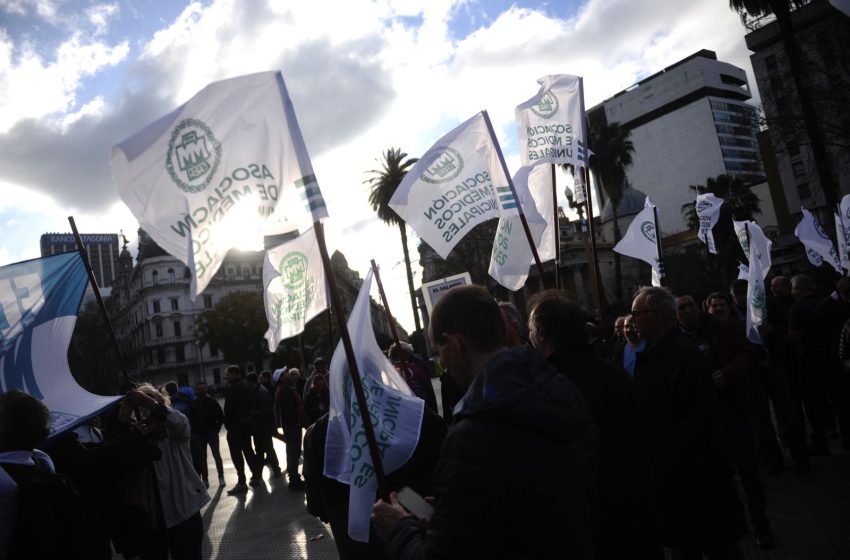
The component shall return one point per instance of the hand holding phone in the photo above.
(414, 503)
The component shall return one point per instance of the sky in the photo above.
(77, 77)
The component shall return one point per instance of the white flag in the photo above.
(756, 297)
(230, 160)
(639, 241)
(395, 412)
(458, 184)
(743, 271)
(842, 223)
(294, 282)
(551, 124)
(708, 211)
(748, 229)
(819, 247)
(511, 256)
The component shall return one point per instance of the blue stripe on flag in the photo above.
(509, 206)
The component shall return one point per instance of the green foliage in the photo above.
(91, 356)
(236, 326)
(612, 154)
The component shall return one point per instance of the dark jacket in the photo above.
(697, 499)
(207, 416)
(288, 407)
(628, 525)
(237, 406)
(516, 473)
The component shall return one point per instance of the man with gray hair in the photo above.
(515, 334)
(699, 509)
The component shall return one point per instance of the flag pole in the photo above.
(516, 198)
(662, 276)
(336, 305)
(389, 315)
(557, 231)
(599, 295)
(99, 299)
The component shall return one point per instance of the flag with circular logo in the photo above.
(229, 162)
(708, 211)
(750, 234)
(294, 281)
(640, 239)
(819, 247)
(551, 124)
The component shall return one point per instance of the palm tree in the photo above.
(384, 183)
(612, 154)
(782, 10)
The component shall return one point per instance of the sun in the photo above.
(241, 228)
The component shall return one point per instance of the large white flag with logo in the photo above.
(230, 160)
(842, 224)
(819, 247)
(708, 211)
(294, 281)
(750, 234)
(756, 297)
(639, 241)
(396, 416)
(458, 184)
(511, 256)
(551, 124)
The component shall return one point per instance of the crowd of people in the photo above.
(553, 441)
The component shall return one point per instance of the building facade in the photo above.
(102, 249)
(688, 122)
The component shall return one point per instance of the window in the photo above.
(727, 141)
(158, 327)
(171, 275)
(776, 83)
(216, 375)
(207, 302)
(793, 149)
(160, 355)
(177, 329)
(799, 168)
(156, 307)
(175, 304)
(804, 191)
(213, 350)
(246, 271)
(155, 276)
(179, 353)
(770, 63)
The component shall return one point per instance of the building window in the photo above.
(207, 302)
(177, 329)
(213, 350)
(770, 63)
(246, 271)
(171, 278)
(216, 375)
(155, 276)
(804, 191)
(179, 353)
(799, 168)
(793, 149)
(158, 327)
(776, 83)
(175, 304)
(160, 355)
(156, 307)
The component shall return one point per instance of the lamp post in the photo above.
(200, 348)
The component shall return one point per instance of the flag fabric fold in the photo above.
(748, 229)
(743, 271)
(639, 242)
(295, 289)
(708, 211)
(819, 247)
(39, 301)
(756, 297)
(230, 160)
(396, 416)
(842, 223)
(552, 125)
(458, 184)
(511, 256)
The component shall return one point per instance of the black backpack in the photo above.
(50, 517)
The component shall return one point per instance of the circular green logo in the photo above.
(648, 230)
(194, 154)
(547, 107)
(442, 164)
(293, 270)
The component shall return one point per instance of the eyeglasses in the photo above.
(639, 312)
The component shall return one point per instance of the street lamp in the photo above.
(200, 348)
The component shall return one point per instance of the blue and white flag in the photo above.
(396, 415)
(819, 247)
(640, 241)
(39, 300)
(708, 211)
(842, 226)
(750, 234)
(227, 167)
(756, 297)
(459, 183)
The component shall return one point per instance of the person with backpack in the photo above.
(41, 514)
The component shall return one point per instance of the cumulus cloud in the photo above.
(100, 14)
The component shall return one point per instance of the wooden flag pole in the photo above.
(389, 315)
(662, 275)
(336, 305)
(516, 198)
(99, 299)
(599, 294)
(557, 231)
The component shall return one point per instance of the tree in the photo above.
(612, 154)
(782, 10)
(236, 326)
(739, 203)
(91, 356)
(384, 183)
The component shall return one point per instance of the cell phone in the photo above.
(414, 503)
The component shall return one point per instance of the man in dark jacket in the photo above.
(515, 475)
(207, 419)
(289, 417)
(695, 489)
(237, 420)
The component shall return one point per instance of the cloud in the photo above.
(100, 14)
